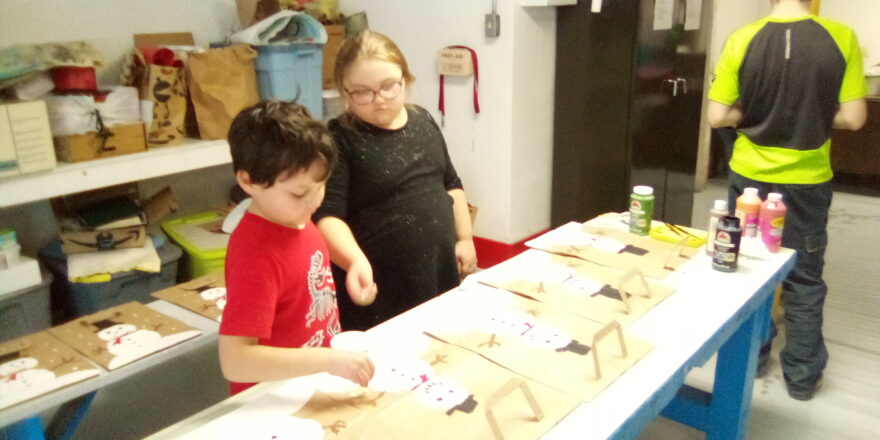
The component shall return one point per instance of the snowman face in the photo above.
(213, 293)
(440, 393)
(133, 342)
(544, 336)
(116, 331)
(397, 375)
(221, 303)
(582, 285)
(33, 377)
(509, 322)
(16, 365)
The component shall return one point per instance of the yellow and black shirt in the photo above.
(789, 77)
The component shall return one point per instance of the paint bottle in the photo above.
(748, 207)
(641, 209)
(728, 234)
(771, 221)
(718, 211)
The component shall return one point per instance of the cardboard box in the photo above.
(25, 139)
(120, 139)
(107, 240)
(74, 242)
(335, 37)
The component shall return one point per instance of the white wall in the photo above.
(861, 15)
(109, 26)
(503, 154)
(864, 17)
(534, 61)
(728, 15)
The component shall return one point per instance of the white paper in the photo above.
(596, 7)
(693, 15)
(663, 10)
(145, 259)
(266, 30)
(28, 124)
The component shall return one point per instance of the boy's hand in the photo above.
(356, 367)
(359, 281)
(466, 256)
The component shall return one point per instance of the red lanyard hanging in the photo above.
(442, 105)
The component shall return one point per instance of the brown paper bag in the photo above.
(222, 83)
(37, 364)
(117, 336)
(584, 288)
(167, 92)
(205, 295)
(470, 398)
(545, 344)
(445, 386)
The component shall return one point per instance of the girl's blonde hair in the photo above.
(367, 45)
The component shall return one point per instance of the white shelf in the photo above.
(69, 178)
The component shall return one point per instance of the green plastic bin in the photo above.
(203, 243)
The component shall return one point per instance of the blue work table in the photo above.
(22, 421)
(710, 312)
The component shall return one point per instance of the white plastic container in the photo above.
(9, 256)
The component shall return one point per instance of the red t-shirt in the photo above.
(279, 287)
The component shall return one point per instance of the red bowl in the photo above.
(72, 79)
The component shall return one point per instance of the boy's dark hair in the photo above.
(275, 137)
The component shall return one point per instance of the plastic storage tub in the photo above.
(201, 239)
(292, 72)
(78, 299)
(26, 310)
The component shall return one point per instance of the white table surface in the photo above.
(684, 328)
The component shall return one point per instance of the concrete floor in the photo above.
(847, 405)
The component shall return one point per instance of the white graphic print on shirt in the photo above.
(321, 288)
(317, 339)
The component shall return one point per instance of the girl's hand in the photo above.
(466, 256)
(359, 281)
(356, 367)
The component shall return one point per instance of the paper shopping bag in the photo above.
(167, 92)
(222, 82)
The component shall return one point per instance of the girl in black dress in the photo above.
(395, 215)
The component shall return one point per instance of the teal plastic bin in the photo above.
(292, 72)
(26, 311)
(78, 299)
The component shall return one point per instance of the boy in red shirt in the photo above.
(281, 303)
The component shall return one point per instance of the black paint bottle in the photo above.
(726, 241)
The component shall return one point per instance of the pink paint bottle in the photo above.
(771, 221)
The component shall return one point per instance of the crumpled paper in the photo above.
(75, 114)
(284, 27)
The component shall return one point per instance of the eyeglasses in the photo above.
(367, 96)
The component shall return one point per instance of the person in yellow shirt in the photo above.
(784, 82)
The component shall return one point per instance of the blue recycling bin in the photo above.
(292, 72)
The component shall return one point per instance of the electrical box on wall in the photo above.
(493, 25)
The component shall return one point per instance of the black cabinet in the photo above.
(627, 109)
